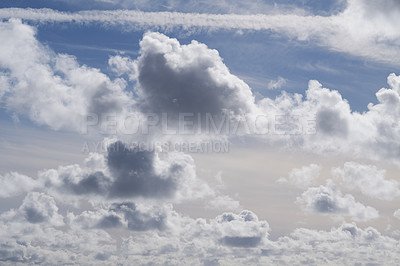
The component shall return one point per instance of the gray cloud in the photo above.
(243, 230)
(137, 220)
(127, 173)
(135, 174)
(330, 200)
(72, 91)
(330, 123)
(189, 78)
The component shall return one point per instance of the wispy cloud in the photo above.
(358, 30)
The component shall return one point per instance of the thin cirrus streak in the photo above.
(337, 32)
(164, 19)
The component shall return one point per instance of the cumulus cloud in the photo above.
(228, 239)
(178, 79)
(189, 78)
(124, 214)
(243, 230)
(323, 122)
(128, 173)
(122, 65)
(368, 179)
(355, 245)
(302, 177)
(38, 207)
(72, 91)
(12, 184)
(397, 214)
(330, 200)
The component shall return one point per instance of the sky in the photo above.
(141, 132)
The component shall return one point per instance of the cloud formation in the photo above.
(191, 78)
(339, 31)
(330, 200)
(130, 193)
(302, 177)
(368, 179)
(72, 91)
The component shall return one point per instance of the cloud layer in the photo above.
(361, 30)
(119, 207)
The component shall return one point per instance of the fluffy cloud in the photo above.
(72, 91)
(397, 214)
(189, 78)
(303, 177)
(128, 173)
(12, 184)
(228, 239)
(347, 244)
(330, 200)
(122, 65)
(243, 230)
(175, 78)
(38, 208)
(125, 214)
(323, 122)
(368, 179)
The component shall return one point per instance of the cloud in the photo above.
(149, 232)
(128, 173)
(323, 122)
(122, 65)
(346, 244)
(38, 208)
(223, 202)
(302, 177)
(341, 32)
(243, 230)
(189, 78)
(124, 214)
(276, 84)
(368, 179)
(178, 79)
(397, 214)
(72, 91)
(330, 200)
(12, 184)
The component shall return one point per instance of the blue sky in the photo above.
(311, 80)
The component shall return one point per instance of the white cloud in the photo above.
(397, 214)
(330, 200)
(368, 179)
(122, 65)
(305, 176)
(72, 92)
(359, 30)
(373, 134)
(223, 202)
(12, 184)
(38, 208)
(126, 173)
(276, 84)
(228, 239)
